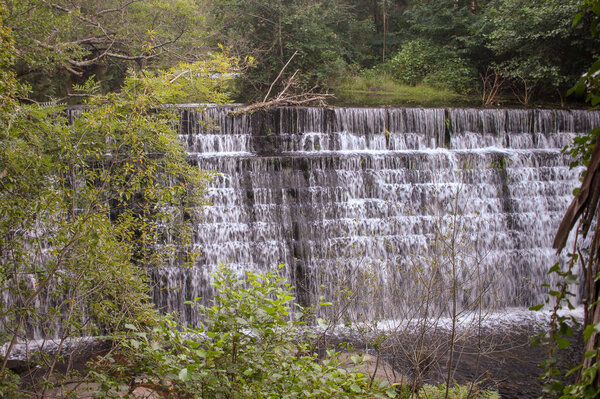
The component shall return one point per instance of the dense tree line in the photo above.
(527, 45)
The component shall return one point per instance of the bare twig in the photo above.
(279, 75)
(287, 86)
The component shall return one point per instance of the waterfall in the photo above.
(369, 208)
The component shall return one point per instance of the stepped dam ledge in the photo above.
(384, 212)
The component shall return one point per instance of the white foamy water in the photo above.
(358, 204)
(386, 213)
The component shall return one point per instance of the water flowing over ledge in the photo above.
(377, 209)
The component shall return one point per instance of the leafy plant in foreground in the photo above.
(250, 345)
(581, 216)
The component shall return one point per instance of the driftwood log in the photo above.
(285, 101)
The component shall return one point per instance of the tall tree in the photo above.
(322, 33)
(64, 41)
(82, 204)
(533, 43)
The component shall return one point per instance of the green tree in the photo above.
(82, 202)
(62, 42)
(533, 43)
(323, 33)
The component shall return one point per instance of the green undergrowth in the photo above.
(382, 90)
(251, 345)
(429, 391)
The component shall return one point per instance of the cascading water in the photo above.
(381, 210)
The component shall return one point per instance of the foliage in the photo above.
(324, 33)
(584, 150)
(561, 326)
(374, 87)
(250, 345)
(60, 42)
(82, 201)
(414, 61)
(529, 41)
(421, 61)
(456, 392)
(448, 23)
(588, 86)
(532, 43)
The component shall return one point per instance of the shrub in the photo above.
(249, 346)
(456, 392)
(421, 61)
(415, 60)
(454, 74)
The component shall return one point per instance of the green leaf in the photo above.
(587, 332)
(130, 327)
(554, 269)
(391, 393)
(201, 353)
(536, 307)
(183, 374)
(574, 369)
(355, 388)
(563, 343)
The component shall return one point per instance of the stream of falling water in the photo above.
(379, 210)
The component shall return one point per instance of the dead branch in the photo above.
(279, 75)
(288, 84)
(283, 99)
(308, 98)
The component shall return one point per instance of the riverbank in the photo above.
(383, 91)
(492, 353)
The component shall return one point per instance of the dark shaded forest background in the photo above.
(514, 51)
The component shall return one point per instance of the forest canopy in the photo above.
(530, 48)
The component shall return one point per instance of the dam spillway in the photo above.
(375, 209)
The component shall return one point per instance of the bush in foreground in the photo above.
(249, 346)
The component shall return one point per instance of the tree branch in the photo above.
(278, 76)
